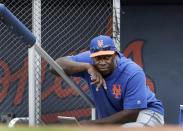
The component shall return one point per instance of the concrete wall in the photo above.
(159, 30)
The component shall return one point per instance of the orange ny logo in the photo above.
(100, 43)
(116, 91)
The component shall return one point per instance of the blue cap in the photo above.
(102, 45)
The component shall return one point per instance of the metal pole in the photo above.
(35, 68)
(31, 87)
(93, 114)
(116, 23)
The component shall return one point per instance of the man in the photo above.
(117, 84)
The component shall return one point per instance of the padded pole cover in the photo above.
(16, 26)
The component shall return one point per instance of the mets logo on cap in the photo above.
(100, 43)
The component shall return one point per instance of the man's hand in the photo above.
(96, 77)
(118, 118)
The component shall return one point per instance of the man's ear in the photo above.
(115, 54)
(115, 57)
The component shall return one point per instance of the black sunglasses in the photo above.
(96, 49)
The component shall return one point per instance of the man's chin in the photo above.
(105, 73)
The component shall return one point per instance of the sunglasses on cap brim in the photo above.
(103, 48)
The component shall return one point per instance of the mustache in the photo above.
(102, 67)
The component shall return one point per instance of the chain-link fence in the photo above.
(66, 27)
(14, 64)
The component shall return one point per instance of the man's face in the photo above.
(105, 64)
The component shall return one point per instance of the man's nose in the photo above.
(102, 61)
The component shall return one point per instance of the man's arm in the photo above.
(121, 117)
(70, 67)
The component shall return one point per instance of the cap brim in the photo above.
(99, 53)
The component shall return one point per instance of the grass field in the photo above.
(89, 128)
